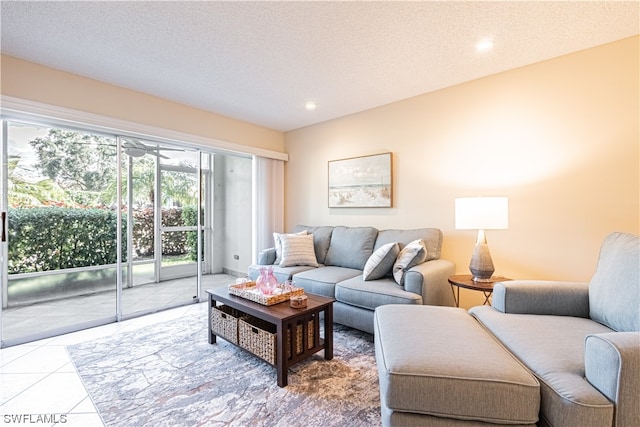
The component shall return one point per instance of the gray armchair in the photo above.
(581, 340)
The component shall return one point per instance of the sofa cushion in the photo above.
(432, 238)
(351, 247)
(321, 239)
(297, 250)
(552, 347)
(267, 257)
(282, 273)
(322, 281)
(614, 290)
(411, 255)
(278, 245)
(360, 293)
(439, 361)
(381, 261)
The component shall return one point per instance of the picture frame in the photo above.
(361, 182)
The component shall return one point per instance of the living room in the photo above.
(559, 138)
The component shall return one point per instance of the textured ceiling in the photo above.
(262, 61)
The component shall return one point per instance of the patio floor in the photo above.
(35, 321)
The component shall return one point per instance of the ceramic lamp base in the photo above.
(481, 265)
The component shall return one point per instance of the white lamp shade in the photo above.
(482, 213)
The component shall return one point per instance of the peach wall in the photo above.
(559, 138)
(26, 80)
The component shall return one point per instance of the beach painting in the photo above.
(361, 182)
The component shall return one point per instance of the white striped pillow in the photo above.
(278, 245)
(297, 250)
(381, 261)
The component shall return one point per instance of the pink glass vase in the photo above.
(266, 282)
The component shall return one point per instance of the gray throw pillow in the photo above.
(381, 261)
(411, 255)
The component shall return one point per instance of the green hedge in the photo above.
(190, 217)
(52, 238)
(55, 238)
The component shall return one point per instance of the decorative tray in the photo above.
(252, 293)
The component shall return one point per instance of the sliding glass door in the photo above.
(161, 183)
(59, 238)
(99, 227)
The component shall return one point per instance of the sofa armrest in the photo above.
(429, 279)
(542, 297)
(267, 256)
(611, 364)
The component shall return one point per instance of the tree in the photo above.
(85, 167)
(25, 191)
(76, 161)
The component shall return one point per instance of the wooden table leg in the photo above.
(328, 332)
(212, 303)
(281, 354)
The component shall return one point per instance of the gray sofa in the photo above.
(342, 254)
(581, 340)
(578, 342)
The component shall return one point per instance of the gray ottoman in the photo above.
(439, 367)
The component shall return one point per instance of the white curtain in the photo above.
(268, 202)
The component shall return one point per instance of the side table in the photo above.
(466, 281)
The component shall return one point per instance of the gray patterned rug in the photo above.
(168, 375)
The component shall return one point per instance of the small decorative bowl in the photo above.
(298, 301)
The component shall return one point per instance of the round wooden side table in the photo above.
(466, 281)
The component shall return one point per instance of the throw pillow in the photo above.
(278, 245)
(411, 255)
(297, 250)
(381, 261)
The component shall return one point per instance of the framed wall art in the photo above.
(361, 182)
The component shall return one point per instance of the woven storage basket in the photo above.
(299, 331)
(224, 322)
(259, 337)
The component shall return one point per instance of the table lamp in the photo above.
(482, 213)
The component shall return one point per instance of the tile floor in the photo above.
(40, 386)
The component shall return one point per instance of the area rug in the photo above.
(169, 375)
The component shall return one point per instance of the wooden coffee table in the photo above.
(284, 318)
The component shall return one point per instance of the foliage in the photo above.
(53, 238)
(59, 217)
(190, 217)
(173, 243)
(77, 162)
(80, 169)
(25, 191)
(179, 188)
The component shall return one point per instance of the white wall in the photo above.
(236, 203)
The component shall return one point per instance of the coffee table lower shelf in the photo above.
(295, 333)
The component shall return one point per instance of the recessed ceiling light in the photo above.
(484, 45)
(310, 105)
